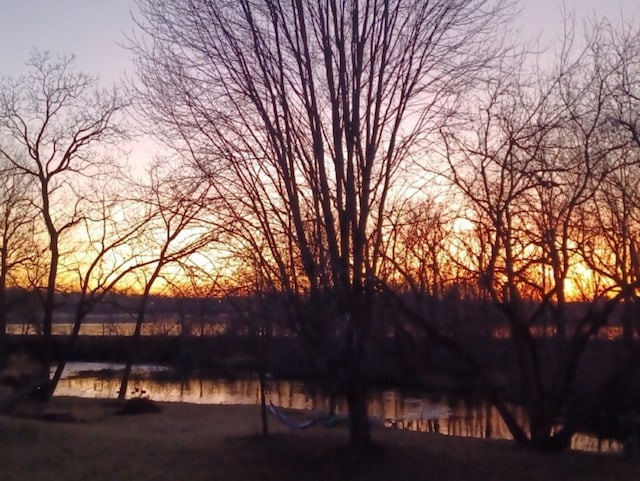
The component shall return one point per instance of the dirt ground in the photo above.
(84, 439)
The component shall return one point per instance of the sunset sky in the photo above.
(93, 29)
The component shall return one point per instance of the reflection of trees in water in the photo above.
(156, 328)
(480, 420)
(393, 408)
(591, 443)
(173, 327)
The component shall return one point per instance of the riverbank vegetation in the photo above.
(198, 442)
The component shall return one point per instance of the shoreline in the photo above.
(201, 442)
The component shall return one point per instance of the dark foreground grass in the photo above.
(192, 443)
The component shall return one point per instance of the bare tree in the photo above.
(177, 231)
(542, 151)
(16, 234)
(419, 247)
(611, 248)
(317, 106)
(103, 254)
(51, 122)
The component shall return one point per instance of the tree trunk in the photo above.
(263, 403)
(77, 323)
(627, 322)
(264, 337)
(131, 353)
(47, 323)
(133, 345)
(359, 428)
(542, 437)
(543, 440)
(357, 380)
(49, 300)
(142, 311)
(332, 403)
(3, 303)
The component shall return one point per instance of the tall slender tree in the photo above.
(307, 113)
(16, 234)
(175, 231)
(51, 122)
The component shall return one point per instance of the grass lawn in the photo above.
(196, 442)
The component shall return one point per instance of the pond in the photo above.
(124, 328)
(429, 412)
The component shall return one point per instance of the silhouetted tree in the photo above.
(543, 149)
(105, 246)
(610, 248)
(307, 114)
(16, 234)
(51, 122)
(176, 231)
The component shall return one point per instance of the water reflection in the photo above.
(121, 328)
(394, 409)
(97, 326)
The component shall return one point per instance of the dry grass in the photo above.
(192, 442)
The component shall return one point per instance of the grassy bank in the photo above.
(195, 442)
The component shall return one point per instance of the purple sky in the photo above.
(92, 29)
(89, 29)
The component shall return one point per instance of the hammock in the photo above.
(290, 423)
